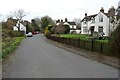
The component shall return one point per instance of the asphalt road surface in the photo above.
(35, 58)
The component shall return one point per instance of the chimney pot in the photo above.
(85, 14)
(102, 10)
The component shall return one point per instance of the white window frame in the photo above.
(100, 18)
(93, 20)
(85, 29)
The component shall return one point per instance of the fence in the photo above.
(90, 45)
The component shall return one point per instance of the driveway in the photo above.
(36, 58)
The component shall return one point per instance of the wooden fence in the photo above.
(90, 45)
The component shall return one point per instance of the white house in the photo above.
(72, 25)
(98, 22)
(21, 27)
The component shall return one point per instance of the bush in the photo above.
(59, 29)
(62, 29)
(67, 29)
(116, 41)
(17, 33)
(47, 33)
(12, 33)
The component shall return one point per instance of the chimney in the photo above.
(58, 21)
(66, 20)
(111, 11)
(61, 20)
(102, 10)
(85, 14)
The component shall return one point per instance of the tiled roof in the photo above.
(106, 14)
(72, 23)
(88, 18)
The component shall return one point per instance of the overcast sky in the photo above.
(56, 8)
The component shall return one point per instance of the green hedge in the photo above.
(12, 33)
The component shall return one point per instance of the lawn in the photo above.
(81, 36)
(104, 41)
(9, 45)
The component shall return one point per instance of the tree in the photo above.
(67, 29)
(78, 23)
(62, 29)
(59, 29)
(3, 24)
(116, 37)
(37, 20)
(48, 30)
(28, 28)
(45, 21)
(35, 27)
(19, 14)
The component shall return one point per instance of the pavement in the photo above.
(37, 58)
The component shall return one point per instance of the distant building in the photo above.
(72, 25)
(13, 24)
(21, 27)
(98, 22)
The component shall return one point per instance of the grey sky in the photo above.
(56, 8)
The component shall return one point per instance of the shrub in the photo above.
(12, 33)
(17, 33)
(62, 29)
(47, 33)
(67, 29)
(116, 41)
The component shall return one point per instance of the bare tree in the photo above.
(19, 14)
(37, 20)
(78, 22)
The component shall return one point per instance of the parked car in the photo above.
(35, 32)
(29, 34)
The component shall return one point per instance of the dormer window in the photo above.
(100, 18)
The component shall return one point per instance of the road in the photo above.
(36, 58)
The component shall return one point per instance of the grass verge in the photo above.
(8, 48)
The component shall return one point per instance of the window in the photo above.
(93, 20)
(100, 18)
(85, 29)
(100, 29)
(84, 22)
(73, 27)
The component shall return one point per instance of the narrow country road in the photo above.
(35, 58)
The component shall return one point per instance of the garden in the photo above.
(10, 41)
(83, 37)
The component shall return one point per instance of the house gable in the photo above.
(88, 18)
